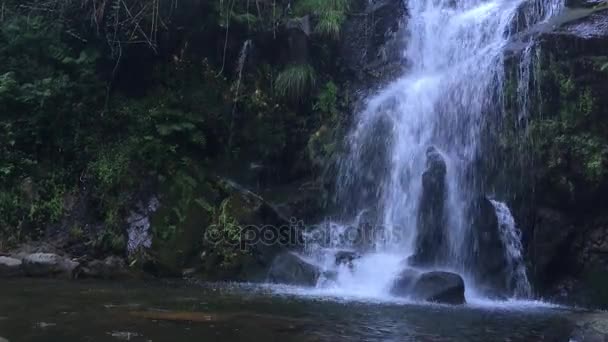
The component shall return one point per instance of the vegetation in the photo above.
(105, 103)
(295, 82)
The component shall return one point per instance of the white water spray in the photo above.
(456, 49)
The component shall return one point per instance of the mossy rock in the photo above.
(179, 224)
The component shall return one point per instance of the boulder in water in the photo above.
(48, 264)
(430, 242)
(10, 267)
(405, 282)
(488, 255)
(112, 267)
(439, 287)
(346, 258)
(288, 268)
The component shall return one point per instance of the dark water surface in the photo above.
(62, 311)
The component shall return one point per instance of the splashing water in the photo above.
(453, 88)
(511, 239)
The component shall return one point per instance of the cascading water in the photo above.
(436, 111)
(511, 239)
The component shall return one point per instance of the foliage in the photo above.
(226, 232)
(103, 102)
(330, 14)
(295, 82)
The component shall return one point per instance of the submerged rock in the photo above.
(10, 267)
(435, 286)
(48, 264)
(290, 269)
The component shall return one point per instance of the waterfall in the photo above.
(511, 239)
(433, 116)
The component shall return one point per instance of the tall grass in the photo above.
(330, 14)
(295, 82)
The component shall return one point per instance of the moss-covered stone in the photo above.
(179, 224)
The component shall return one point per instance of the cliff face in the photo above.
(568, 140)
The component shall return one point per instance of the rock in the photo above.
(405, 282)
(301, 24)
(488, 251)
(112, 267)
(346, 258)
(290, 269)
(2, 339)
(590, 327)
(264, 233)
(371, 44)
(584, 3)
(10, 267)
(552, 235)
(48, 264)
(439, 287)
(298, 32)
(430, 242)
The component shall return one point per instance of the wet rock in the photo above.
(290, 269)
(48, 264)
(552, 234)
(405, 282)
(430, 242)
(112, 267)
(298, 32)
(591, 327)
(584, 3)
(346, 258)
(371, 45)
(488, 251)
(10, 267)
(439, 287)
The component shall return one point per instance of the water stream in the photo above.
(455, 50)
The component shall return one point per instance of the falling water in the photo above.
(455, 49)
(511, 239)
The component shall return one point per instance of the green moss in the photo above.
(179, 224)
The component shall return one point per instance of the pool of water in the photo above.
(63, 311)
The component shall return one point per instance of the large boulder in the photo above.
(439, 287)
(290, 269)
(10, 267)
(405, 281)
(49, 264)
(431, 238)
(112, 267)
(488, 250)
